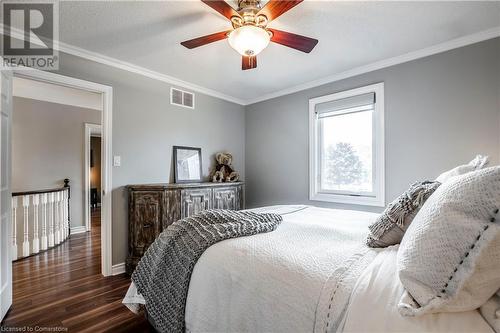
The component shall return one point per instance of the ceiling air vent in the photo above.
(181, 98)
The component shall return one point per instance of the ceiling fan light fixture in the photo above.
(249, 40)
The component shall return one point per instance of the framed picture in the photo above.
(187, 164)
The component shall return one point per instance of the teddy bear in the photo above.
(223, 170)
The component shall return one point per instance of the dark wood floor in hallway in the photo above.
(63, 288)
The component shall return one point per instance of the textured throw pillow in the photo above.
(449, 258)
(391, 225)
(477, 163)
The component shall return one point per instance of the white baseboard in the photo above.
(5, 300)
(78, 230)
(118, 269)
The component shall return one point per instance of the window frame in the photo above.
(355, 198)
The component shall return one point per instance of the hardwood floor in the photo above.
(63, 289)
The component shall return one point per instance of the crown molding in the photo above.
(422, 53)
(113, 62)
(126, 66)
(414, 55)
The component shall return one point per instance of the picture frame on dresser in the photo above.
(187, 164)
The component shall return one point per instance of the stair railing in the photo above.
(40, 220)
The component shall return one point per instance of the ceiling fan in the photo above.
(250, 34)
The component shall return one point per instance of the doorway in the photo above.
(106, 93)
(6, 231)
(93, 172)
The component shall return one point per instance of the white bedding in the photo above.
(299, 278)
(373, 305)
(273, 282)
(277, 281)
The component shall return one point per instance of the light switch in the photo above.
(117, 161)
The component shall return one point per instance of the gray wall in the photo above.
(439, 111)
(146, 126)
(48, 145)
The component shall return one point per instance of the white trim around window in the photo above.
(377, 196)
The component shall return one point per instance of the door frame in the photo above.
(5, 197)
(106, 163)
(90, 131)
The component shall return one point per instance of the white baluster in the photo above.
(43, 239)
(36, 240)
(14, 228)
(26, 242)
(66, 217)
(67, 213)
(61, 216)
(51, 219)
(57, 235)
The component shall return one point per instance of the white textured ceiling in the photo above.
(351, 34)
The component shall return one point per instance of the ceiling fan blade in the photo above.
(248, 62)
(222, 7)
(275, 8)
(192, 43)
(298, 42)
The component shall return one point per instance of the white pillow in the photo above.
(449, 258)
(491, 312)
(477, 163)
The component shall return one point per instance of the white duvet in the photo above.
(312, 274)
(272, 282)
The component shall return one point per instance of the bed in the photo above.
(312, 274)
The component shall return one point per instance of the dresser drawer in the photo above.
(146, 219)
(227, 198)
(153, 207)
(194, 201)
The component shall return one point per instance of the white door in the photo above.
(5, 194)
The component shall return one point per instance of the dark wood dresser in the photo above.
(153, 207)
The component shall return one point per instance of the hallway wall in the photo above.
(48, 146)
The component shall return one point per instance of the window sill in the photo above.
(348, 199)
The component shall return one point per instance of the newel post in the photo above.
(66, 184)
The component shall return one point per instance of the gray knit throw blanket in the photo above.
(163, 274)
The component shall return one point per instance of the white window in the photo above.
(346, 154)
